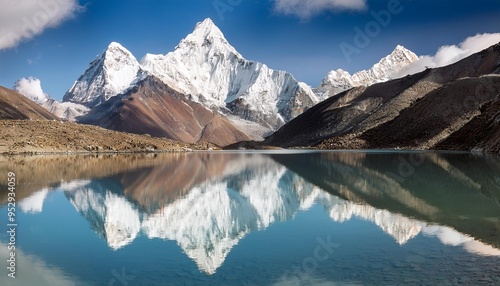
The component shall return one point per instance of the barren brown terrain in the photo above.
(45, 136)
(449, 108)
(154, 108)
(14, 105)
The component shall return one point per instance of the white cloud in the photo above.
(447, 55)
(305, 9)
(24, 19)
(31, 88)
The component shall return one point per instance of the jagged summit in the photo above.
(205, 66)
(208, 70)
(207, 34)
(400, 48)
(339, 80)
(109, 74)
(116, 45)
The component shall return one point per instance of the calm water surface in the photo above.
(299, 218)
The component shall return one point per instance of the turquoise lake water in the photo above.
(254, 218)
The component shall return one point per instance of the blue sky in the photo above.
(301, 36)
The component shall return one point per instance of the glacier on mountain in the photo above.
(208, 69)
(386, 69)
(205, 66)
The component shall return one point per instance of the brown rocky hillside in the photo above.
(453, 107)
(14, 105)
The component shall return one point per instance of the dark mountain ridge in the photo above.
(453, 107)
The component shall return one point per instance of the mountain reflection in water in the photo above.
(208, 202)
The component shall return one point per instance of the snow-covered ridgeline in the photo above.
(386, 69)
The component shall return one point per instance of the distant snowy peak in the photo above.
(388, 67)
(110, 74)
(32, 89)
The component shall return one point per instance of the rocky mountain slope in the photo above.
(386, 69)
(420, 111)
(27, 128)
(151, 107)
(14, 105)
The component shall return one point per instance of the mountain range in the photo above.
(213, 92)
(386, 69)
(204, 70)
(452, 107)
(205, 90)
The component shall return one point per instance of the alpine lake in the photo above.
(251, 218)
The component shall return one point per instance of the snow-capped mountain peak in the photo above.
(207, 69)
(205, 66)
(207, 34)
(386, 69)
(108, 75)
(391, 64)
(117, 47)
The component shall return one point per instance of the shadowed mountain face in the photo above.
(154, 108)
(437, 108)
(208, 202)
(16, 106)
